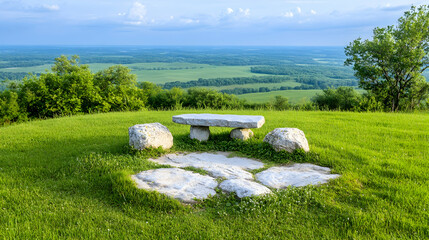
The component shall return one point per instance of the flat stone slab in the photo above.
(216, 164)
(220, 120)
(177, 183)
(231, 172)
(244, 188)
(297, 175)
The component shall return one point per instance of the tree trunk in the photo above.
(395, 102)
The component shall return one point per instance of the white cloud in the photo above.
(298, 10)
(232, 15)
(51, 7)
(136, 23)
(244, 12)
(313, 12)
(189, 20)
(137, 12)
(288, 14)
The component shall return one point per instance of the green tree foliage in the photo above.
(342, 98)
(13, 75)
(390, 65)
(71, 88)
(118, 89)
(148, 90)
(206, 98)
(281, 103)
(368, 103)
(167, 99)
(9, 108)
(201, 82)
(67, 90)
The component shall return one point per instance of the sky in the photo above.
(195, 22)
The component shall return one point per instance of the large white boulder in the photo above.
(200, 133)
(177, 183)
(297, 175)
(244, 188)
(150, 135)
(288, 139)
(241, 133)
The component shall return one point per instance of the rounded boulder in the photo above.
(288, 139)
(241, 133)
(150, 135)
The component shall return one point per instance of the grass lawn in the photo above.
(68, 178)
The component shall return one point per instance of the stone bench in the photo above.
(200, 124)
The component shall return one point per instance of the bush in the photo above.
(281, 103)
(68, 90)
(118, 89)
(342, 98)
(206, 98)
(9, 108)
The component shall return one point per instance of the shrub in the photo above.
(68, 90)
(9, 108)
(342, 98)
(118, 89)
(281, 103)
(207, 98)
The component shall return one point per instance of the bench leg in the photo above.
(200, 133)
(241, 133)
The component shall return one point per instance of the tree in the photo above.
(67, 90)
(117, 86)
(390, 65)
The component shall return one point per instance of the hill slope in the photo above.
(58, 179)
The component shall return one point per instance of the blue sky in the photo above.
(194, 22)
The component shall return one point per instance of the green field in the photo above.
(189, 71)
(183, 75)
(295, 96)
(61, 179)
(36, 69)
(257, 85)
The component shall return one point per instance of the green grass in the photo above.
(68, 178)
(257, 85)
(36, 69)
(202, 71)
(295, 96)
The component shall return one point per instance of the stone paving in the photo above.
(230, 174)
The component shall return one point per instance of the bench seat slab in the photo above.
(220, 120)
